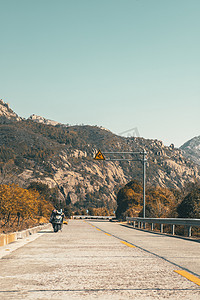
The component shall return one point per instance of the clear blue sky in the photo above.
(115, 63)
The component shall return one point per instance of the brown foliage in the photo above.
(18, 204)
(129, 200)
(160, 202)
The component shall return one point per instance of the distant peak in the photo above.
(6, 112)
(4, 103)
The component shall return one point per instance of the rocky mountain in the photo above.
(191, 149)
(42, 120)
(63, 156)
(7, 114)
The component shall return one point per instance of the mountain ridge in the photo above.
(191, 149)
(62, 156)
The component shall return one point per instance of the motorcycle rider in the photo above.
(55, 216)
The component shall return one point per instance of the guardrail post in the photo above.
(187, 223)
(173, 229)
(189, 231)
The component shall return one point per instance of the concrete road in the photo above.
(183, 253)
(95, 260)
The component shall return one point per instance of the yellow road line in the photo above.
(188, 276)
(107, 234)
(103, 232)
(127, 244)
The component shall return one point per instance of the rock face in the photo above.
(191, 149)
(39, 119)
(62, 156)
(7, 114)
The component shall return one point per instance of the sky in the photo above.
(119, 64)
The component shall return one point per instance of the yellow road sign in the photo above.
(99, 156)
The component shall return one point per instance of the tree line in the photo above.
(21, 207)
(160, 202)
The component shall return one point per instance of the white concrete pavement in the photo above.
(183, 253)
(83, 262)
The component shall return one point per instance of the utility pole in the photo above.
(144, 181)
(127, 156)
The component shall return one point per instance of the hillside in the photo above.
(191, 149)
(62, 156)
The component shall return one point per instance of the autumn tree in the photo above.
(190, 206)
(49, 194)
(160, 203)
(18, 204)
(129, 200)
(42, 189)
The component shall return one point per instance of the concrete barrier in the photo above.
(11, 237)
(14, 236)
(2, 240)
(7, 238)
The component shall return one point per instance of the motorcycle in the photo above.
(57, 221)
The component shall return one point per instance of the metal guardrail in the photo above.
(93, 217)
(188, 223)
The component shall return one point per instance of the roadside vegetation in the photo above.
(160, 202)
(22, 208)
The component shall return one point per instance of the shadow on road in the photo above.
(102, 290)
(96, 220)
(45, 231)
